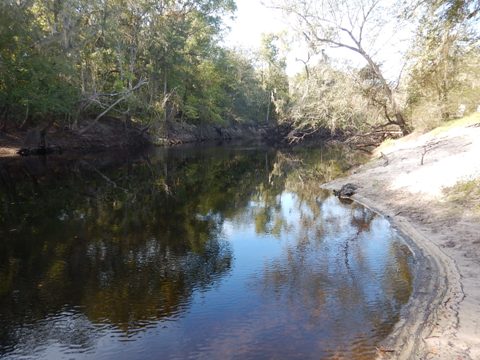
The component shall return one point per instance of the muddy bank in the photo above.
(441, 320)
(110, 134)
(182, 133)
(106, 134)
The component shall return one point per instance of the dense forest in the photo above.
(148, 60)
(157, 61)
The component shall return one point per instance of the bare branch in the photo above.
(124, 96)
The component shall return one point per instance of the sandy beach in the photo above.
(442, 319)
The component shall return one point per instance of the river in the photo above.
(194, 253)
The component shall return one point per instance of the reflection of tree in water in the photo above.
(300, 171)
(126, 245)
(335, 280)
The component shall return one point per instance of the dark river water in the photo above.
(188, 253)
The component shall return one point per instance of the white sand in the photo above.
(442, 320)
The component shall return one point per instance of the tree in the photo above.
(34, 75)
(330, 99)
(275, 80)
(149, 61)
(454, 10)
(351, 26)
(436, 59)
(441, 57)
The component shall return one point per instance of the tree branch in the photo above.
(118, 101)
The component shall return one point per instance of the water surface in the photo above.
(213, 253)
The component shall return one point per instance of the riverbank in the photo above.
(106, 134)
(110, 134)
(184, 133)
(427, 185)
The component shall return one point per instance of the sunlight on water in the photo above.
(211, 254)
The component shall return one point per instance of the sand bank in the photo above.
(442, 319)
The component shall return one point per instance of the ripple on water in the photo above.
(234, 261)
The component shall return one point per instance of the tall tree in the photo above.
(274, 75)
(454, 10)
(442, 50)
(146, 60)
(34, 73)
(349, 25)
(329, 98)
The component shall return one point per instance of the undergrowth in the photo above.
(463, 122)
(466, 194)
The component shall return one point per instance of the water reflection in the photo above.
(341, 280)
(184, 253)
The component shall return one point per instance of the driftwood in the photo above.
(346, 191)
(426, 148)
(370, 140)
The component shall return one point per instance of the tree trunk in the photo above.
(3, 119)
(165, 89)
(268, 107)
(404, 128)
(400, 120)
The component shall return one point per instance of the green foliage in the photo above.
(444, 71)
(274, 78)
(160, 60)
(455, 10)
(34, 81)
(466, 195)
(249, 100)
(150, 60)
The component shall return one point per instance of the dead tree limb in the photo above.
(115, 103)
(426, 148)
(103, 176)
(296, 136)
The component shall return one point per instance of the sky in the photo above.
(252, 19)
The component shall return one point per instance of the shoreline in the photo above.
(420, 314)
(441, 320)
(107, 134)
(111, 134)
